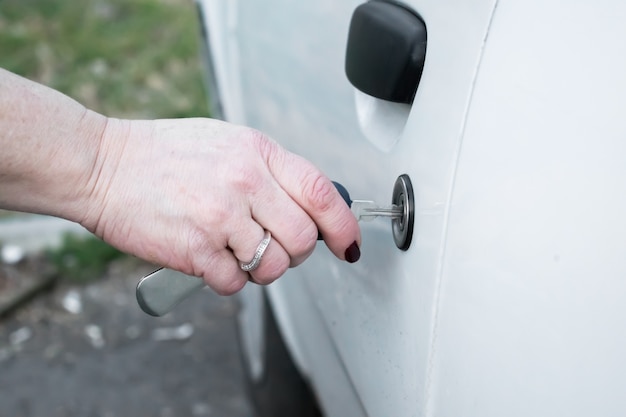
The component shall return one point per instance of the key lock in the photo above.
(401, 212)
(402, 197)
(159, 292)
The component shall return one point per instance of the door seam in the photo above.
(432, 352)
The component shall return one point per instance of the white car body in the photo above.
(511, 300)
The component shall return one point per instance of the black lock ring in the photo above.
(403, 196)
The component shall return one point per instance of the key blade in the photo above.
(393, 212)
(359, 207)
(368, 210)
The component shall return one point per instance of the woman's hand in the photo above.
(197, 195)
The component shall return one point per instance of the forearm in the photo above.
(196, 195)
(49, 148)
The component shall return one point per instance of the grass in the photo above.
(82, 259)
(122, 58)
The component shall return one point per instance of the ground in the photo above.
(132, 59)
(88, 350)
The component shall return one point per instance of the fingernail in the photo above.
(353, 253)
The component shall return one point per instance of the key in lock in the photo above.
(159, 292)
(401, 211)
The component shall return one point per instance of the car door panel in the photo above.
(380, 312)
(508, 301)
(531, 306)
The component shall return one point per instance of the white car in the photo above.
(510, 299)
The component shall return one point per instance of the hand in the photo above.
(196, 195)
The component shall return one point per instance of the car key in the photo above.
(368, 210)
(159, 292)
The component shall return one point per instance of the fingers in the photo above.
(221, 195)
(244, 243)
(317, 196)
(290, 225)
(221, 272)
(293, 234)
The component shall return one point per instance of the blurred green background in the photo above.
(123, 58)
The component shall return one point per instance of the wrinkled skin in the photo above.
(195, 195)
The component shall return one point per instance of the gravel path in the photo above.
(90, 352)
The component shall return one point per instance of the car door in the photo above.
(509, 300)
(380, 313)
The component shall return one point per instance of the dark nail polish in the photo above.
(353, 253)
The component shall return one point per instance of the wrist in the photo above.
(49, 143)
(77, 181)
(103, 193)
(58, 176)
(106, 138)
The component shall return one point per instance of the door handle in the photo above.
(386, 50)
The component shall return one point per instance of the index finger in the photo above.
(317, 195)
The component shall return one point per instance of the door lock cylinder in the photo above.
(403, 197)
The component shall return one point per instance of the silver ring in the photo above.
(260, 250)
